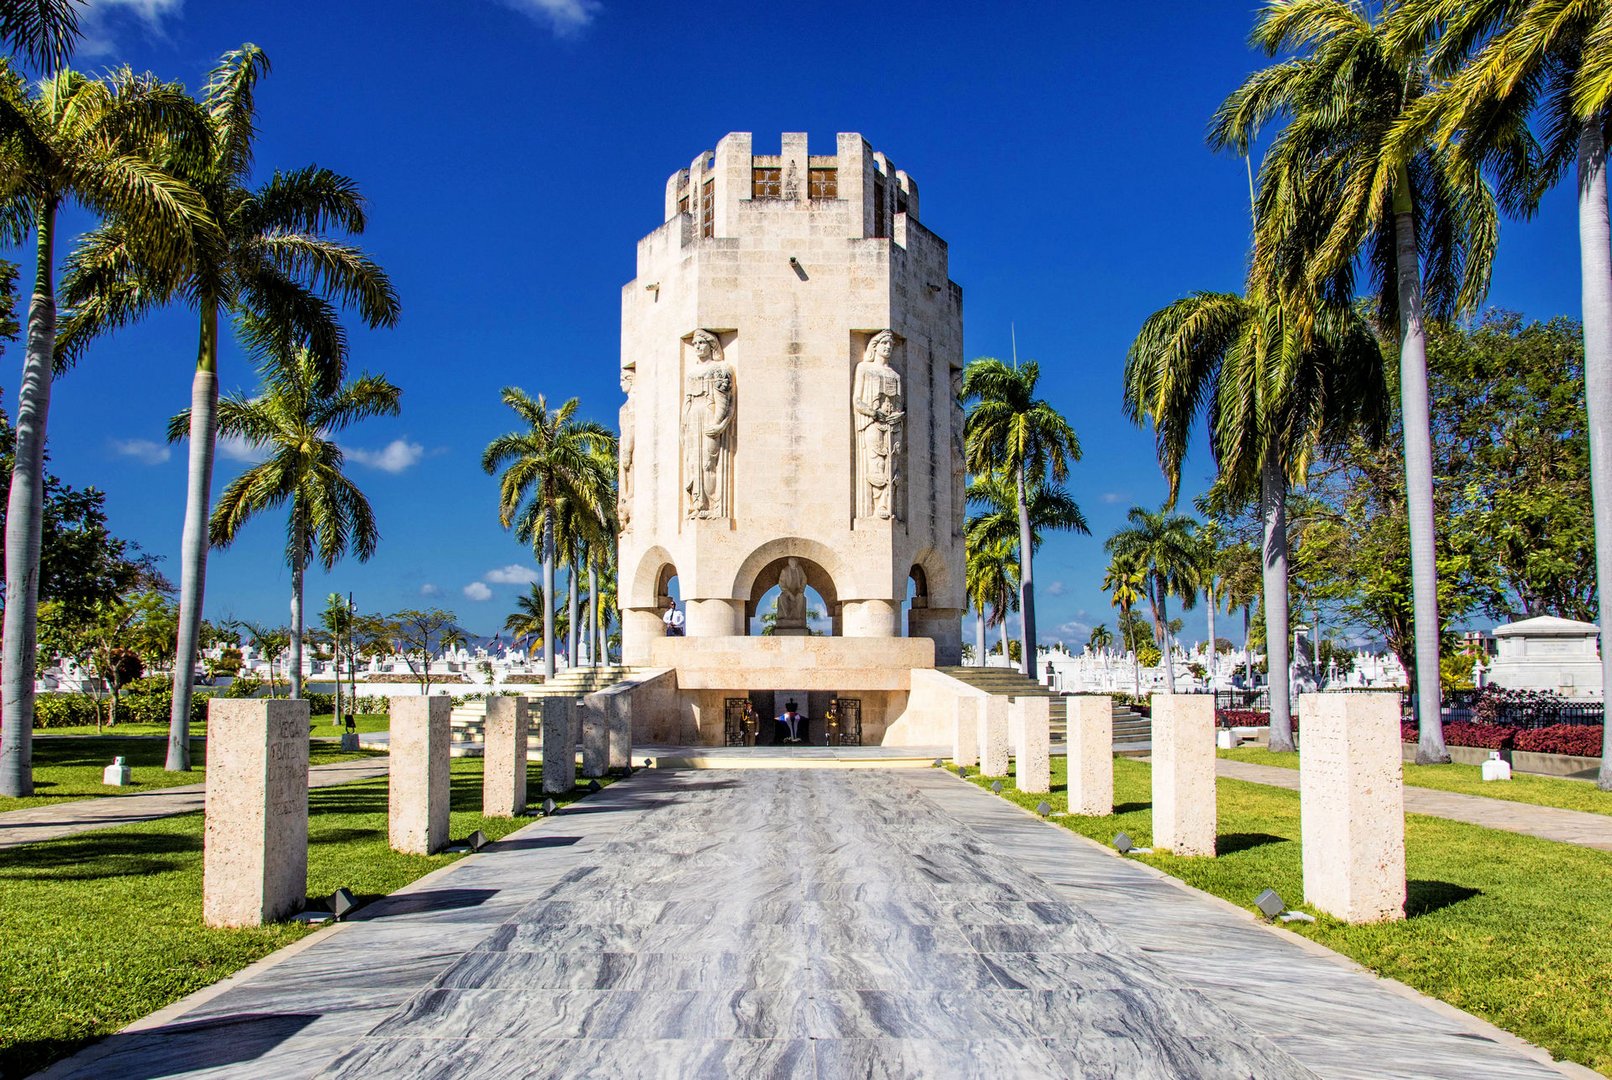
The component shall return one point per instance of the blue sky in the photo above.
(515, 150)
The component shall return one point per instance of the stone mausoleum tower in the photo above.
(791, 350)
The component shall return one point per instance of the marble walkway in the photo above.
(1546, 822)
(53, 821)
(799, 923)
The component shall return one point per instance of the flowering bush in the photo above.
(1241, 718)
(1583, 740)
(1496, 704)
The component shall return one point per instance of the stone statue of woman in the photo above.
(627, 443)
(876, 398)
(959, 452)
(791, 596)
(707, 428)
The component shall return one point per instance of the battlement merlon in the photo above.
(714, 185)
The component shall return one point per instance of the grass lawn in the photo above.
(72, 970)
(68, 769)
(1468, 780)
(322, 727)
(367, 723)
(1508, 927)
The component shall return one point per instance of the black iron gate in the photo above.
(733, 720)
(845, 722)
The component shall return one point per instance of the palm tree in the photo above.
(1164, 544)
(555, 460)
(43, 31)
(1508, 60)
(1208, 556)
(526, 621)
(94, 142)
(1342, 184)
(990, 580)
(1125, 581)
(295, 418)
(275, 260)
(1101, 636)
(1010, 431)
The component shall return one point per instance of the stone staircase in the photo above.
(469, 721)
(1133, 732)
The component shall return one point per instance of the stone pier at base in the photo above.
(1352, 806)
(503, 781)
(1184, 773)
(618, 729)
(559, 746)
(417, 798)
(595, 738)
(1032, 753)
(966, 731)
(993, 731)
(1090, 750)
(255, 838)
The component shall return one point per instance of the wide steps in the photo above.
(469, 721)
(1131, 729)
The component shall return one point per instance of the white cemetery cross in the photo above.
(117, 774)
(1494, 769)
(1352, 806)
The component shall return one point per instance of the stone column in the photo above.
(1091, 754)
(255, 836)
(1032, 755)
(559, 747)
(966, 730)
(503, 783)
(595, 736)
(618, 723)
(994, 735)
(1184, 773)
(1352, 806)
(418, 796)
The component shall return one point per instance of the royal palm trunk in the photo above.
(1417, 424)
(548, 599)
(1210, 596)
(1163, 607)
(298, 568)
(1273, 497)
(25, 509)
(193, 542)
(1026, 588)
(571, 613)
(979, 634)
(595, 637)
(1594, 237)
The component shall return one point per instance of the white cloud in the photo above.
(513, 574)
(564, 17)
(1055, 588)
(102, 19)
(429, 589)
(477, 591)
(1112, 497)
(142, 450)
(238, 449)
(397, 456)
(1074, 629)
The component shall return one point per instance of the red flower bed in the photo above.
(1581, 740)
(1241, 718)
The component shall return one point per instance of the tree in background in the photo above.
(1165, 546)
(990, 579)
(1012, 433)
(1101, 637)
(417, 635)
(295, 418)
(1125, 582)
(94, 142)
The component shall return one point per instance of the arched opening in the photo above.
(669, 600)
(916, 600)
(792, 596)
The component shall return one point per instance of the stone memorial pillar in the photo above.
(994, 735)
(1091, 754)
(255, 837)
(618, 723)
(503, 781)
(418, 793)
(559, 746)
(1184, 773)
(1032, 754)
(966, 730)
(1352, 806)
(595, 736)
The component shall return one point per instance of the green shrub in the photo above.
(157, 708)
(63, 710)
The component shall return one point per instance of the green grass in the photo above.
(368, 723)
(1508, 927)
(322, 727)
(103, 928)
(71, 768)
(1468, 780)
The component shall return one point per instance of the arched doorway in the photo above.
(821, 599)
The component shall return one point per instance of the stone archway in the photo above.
(817, 581)
(643, 599)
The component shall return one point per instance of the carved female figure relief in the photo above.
(627, 443)
(876, 399)
(791, 596)
(707, 428)
(959, 452)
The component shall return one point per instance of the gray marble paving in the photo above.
(771, 923)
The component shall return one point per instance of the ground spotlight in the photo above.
(962, 770)
(996, 786)
(549, 807)
(594, 786)
(341, 902)
(478, 840)
(1044, 808)
(1269, 903)
(940, 763)
(1123, 843)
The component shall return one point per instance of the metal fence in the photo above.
(1458, 705)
